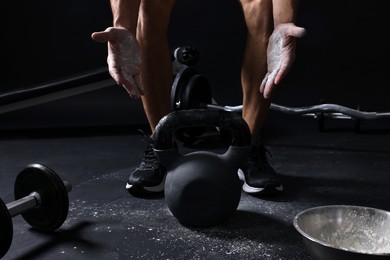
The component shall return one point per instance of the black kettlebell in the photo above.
(202, 188)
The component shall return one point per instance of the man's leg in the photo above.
(258, 176)
(259, 22)
(156, 78)
(156, 70)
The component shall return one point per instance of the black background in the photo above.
(343, 58)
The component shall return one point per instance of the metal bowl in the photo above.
(345, 232)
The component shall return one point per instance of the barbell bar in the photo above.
(191, 90)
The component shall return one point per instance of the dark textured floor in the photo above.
(337, 166)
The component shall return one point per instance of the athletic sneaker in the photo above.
(149, 176)
(258, 175)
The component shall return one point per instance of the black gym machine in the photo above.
(41, 197)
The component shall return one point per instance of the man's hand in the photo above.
(280, 55)
(124, 58)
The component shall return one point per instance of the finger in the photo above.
(101, 36)
(128, 92)
(131, 88)
(139, 85)
(268, 89)
(282, 72)
(299, 32)
(115, 75)
(263, 82)
(116, 71)
(269, 85)
(296, 31)
(131, 93)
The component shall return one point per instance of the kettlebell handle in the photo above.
(226, 120)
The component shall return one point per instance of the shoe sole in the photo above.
(268, 189)
(153, 189)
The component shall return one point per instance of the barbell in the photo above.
(191, 90)
(41, 197)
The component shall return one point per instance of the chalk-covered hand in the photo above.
(124, 58)
(280, 55)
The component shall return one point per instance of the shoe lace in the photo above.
(150, 160)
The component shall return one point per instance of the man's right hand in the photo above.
(280, 55)
(124, 58)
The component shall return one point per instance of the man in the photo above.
(139, 59)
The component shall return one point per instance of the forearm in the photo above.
(125, 14)
(284, 11)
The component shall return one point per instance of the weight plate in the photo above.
(179, 84)
(196, 92)
(6, 232)
(52, 212)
